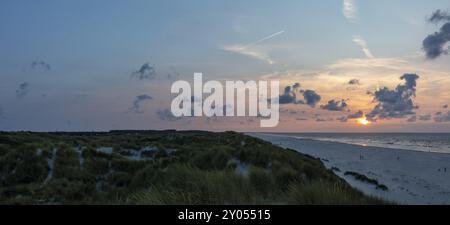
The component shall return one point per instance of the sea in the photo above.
(426, 142)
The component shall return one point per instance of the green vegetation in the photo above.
(162, 167)
(364, 178)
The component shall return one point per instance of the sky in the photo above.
(102, 65)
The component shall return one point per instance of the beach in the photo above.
(412, 177)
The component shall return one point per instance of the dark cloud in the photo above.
(434, 44)
(166, 115)
(40, 64)
(146, 72)
(311, 98)
(439, 16)
(290, 94)
(23, 89)
(354, 82)
(396, 103)
(445, 106)
(334, 105)
(356, 115)
(137, 103)
(442, 117)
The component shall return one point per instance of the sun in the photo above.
(363, 121)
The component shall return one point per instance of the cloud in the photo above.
(250, 51)
(331, 80)
(350, 10)
(355, 115)
(426, 117)
(412, 119)
(354, 82)
(445, 106)
(395, 103)
(311, 98)
(439, 16)
(166, 115)
(324, 119)
(24, 89)
(40, 64)
(442, 117)
(137, 103)
(290, 94)
(362, 43)
(434, 44)
(253, 53)
(145, 72)
(334, 105)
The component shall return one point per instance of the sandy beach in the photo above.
(412, 177)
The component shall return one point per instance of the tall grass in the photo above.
(202, 170)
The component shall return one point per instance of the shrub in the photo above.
(22, 166)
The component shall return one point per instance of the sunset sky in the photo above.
(101, 65)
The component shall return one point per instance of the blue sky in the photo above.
(94, 46)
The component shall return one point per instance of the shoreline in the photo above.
(384, 146)
(412, 177)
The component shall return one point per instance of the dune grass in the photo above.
(185, 167)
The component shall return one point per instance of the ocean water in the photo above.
(427, 142)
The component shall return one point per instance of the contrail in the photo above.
(264, 39)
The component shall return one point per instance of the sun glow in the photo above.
(363, 121)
